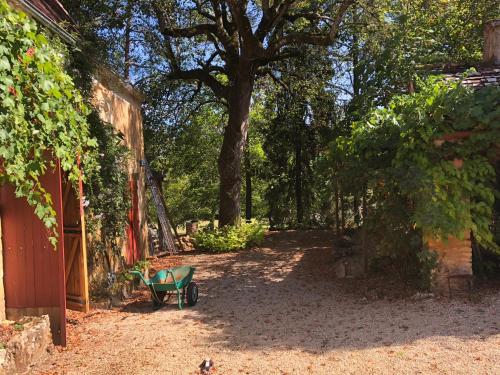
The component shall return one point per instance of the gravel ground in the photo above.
(277, 310)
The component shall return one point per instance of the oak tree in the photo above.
(226, 45)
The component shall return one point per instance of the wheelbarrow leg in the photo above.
(157, 297)
(180, 302)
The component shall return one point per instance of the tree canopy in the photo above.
(306, 86)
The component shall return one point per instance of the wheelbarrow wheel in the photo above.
(160, 295)
(192, 293)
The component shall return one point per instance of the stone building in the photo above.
(454, 270)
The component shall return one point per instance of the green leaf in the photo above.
(4, 63)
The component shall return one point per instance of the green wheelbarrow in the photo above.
(170, 281)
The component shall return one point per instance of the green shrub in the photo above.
(230, 238)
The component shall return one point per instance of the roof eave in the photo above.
(46, 21)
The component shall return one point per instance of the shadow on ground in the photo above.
(283, 295)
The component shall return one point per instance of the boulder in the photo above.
(31, 344)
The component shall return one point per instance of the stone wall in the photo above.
(455, 259)
(26, 348)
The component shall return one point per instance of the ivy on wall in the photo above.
(430, 152)
(42, 114)
(106, 190)
(108, 194)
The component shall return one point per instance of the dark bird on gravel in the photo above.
(206, 366)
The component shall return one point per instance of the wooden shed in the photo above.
(39, 279)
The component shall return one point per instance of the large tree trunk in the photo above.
(233, 146)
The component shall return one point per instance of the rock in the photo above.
(27, 347)
(420, 296)
(340, 269)
(349, 267)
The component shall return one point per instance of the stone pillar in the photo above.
(454, 264)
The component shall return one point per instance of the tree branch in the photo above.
(308, 16)
(201, 12)
(200, 75)
(272, 17)
(268, 71)
(225, 32)
(313, 38)
(189, 32)
(292, 53)
(238, 12)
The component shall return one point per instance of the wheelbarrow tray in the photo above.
(172, 280)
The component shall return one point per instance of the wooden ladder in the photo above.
(166, 228)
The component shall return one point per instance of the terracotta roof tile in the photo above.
(484, 76)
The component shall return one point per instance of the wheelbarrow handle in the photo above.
(137, 273)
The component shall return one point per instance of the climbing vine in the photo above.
(107, 190)
(429, 152)
(43, 116)
(108, 195)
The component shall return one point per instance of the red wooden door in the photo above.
(34, 272)
(133, 251)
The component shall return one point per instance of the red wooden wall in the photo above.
(34, 271)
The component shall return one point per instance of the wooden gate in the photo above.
(75, 247)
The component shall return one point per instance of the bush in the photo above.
(230, 238)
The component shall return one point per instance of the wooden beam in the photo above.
(72, 257)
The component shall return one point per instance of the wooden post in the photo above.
(2, 291)
(337, 209)
(355, 207)
(363, 232)
(248, 182)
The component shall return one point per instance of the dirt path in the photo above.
(276, 310)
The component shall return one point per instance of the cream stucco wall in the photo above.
(120, 105)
